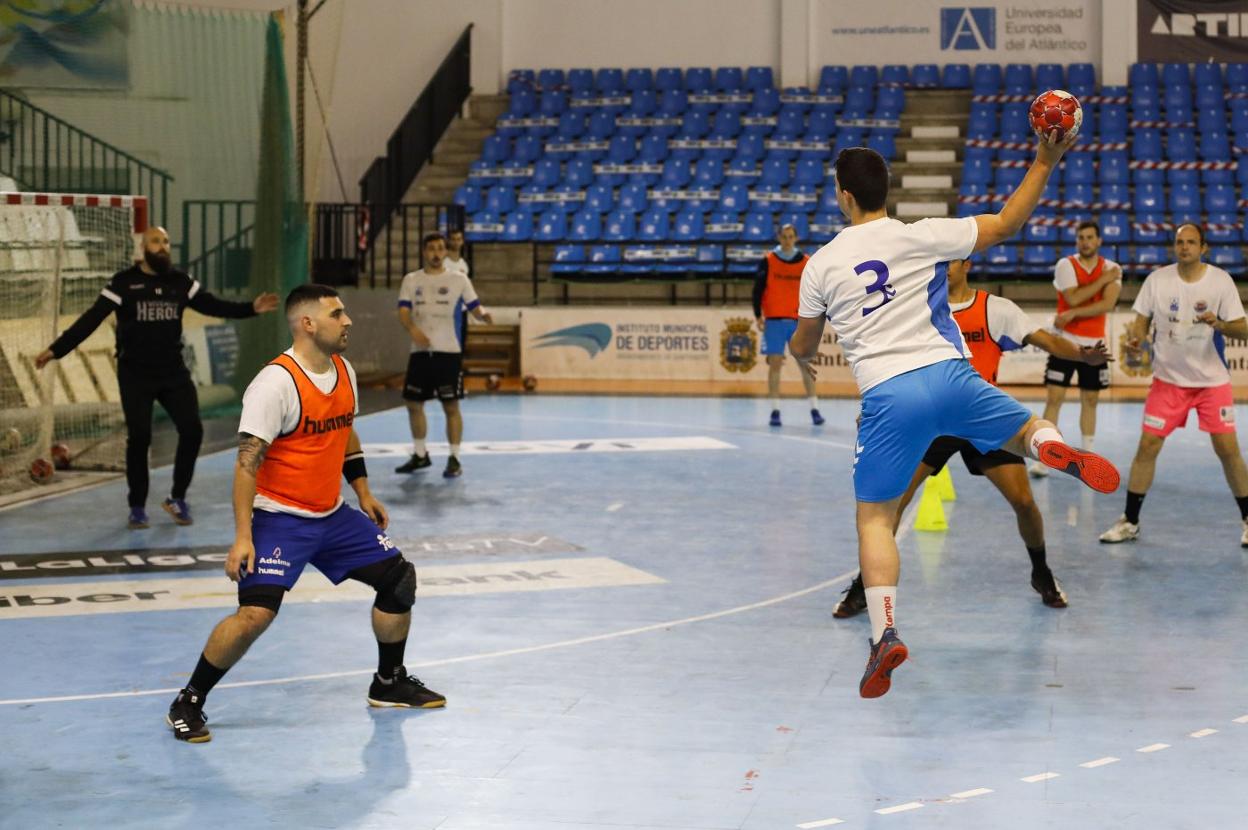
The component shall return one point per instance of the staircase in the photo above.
(929, 148)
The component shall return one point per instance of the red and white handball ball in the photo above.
(1056, 110)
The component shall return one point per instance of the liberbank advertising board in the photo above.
(940, 32)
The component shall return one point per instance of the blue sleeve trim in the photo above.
(472, 305)
(405, 304)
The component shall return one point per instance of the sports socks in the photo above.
(1087, 441)
(1039, 558)
(1134, 501)
(1242, 501)
(814, 401)
(1041, 436)
(881, 601)
(454, 450)
(390, 659)
(418, 446)
(775, 403)
(205, 676)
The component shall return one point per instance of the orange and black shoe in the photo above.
(1093, 470)
(886, 655)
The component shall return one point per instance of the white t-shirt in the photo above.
(271, 408)
(1064, 279)
(1008, 324)
(882, 286)
(437, 303)
(1185, 352)
(460, 265)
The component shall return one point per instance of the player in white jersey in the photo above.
(432, 303)
(1193, 308)
(881, 284)
(455, 252)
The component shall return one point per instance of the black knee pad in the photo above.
(396, 589)
(262, 596)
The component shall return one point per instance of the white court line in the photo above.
(611, 508)
(468, 658)
(1153, 748)
(1241, 719)
(1100, 762)
(972, 793)
(1203, 733)
(900, 808)
(823, 822)
(1044, 776)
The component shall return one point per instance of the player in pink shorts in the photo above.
(1193, 307)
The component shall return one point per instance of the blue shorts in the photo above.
(336, 544)
(903, 415)
(777, 332)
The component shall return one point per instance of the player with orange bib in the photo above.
(776, 287)
(1087, 286)
(296, 441)
(991, 326)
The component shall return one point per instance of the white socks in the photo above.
(775, 403)
(418, 446)
(454, 450)
(1041, 436)
(814, 401)
(1087, 441)
(881, 601)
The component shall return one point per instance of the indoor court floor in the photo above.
(627, 603)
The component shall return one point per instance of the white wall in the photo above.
(594, 33)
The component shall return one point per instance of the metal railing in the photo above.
(217, 241)
(386, 182)
(48, 154)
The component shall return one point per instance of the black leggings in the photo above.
(176, 393)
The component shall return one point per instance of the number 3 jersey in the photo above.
(883, 288)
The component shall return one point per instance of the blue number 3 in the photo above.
(881, 283)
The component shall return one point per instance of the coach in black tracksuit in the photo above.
(148, 299)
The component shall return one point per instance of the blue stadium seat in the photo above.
(766, 102)
(977, 167)
(699, 79)
(517, 226)
(833, 79)
(758, 78)
(1149, 198)
(734, 197)
(1015, 120)
(1181, 145)
(1185, 204)
(1175, 74)
(1143, 74)
(1211, 118)
(506, 126)
(1049, 76)
(983, 120)
(1208, 95)
(1215, 146)
(468, 196)
(1177, 105)
(1146, 145)
(653, 225)
(822, 226)
(639, 79)
(500, 199)
(708, 173)
(1239, 115)
(1002, 259)
(1039, 259)
(580, 81)
(710, 260)
(620, 225)
(895, 73)
(1230, 235)
(1080, 168)
(766, 198)
(790, 123)
(726, 124)
(696, 125)
(676, 173)
(673, 103)
(1151, 256)
(569, 259)
(688, 226)
(986, 79)
(1113, 124)
(632, 198)
(720, 219)
(1040, 234)
(751, 147)
(601, 126)
(599, 198)
(668, 77)
(883, 143)
(653, 149)
(603, 260)
(547, 173)
(1144, 109)
(1188, 178)
(799, 221)
(1237, 77)
(925, 76)
(729, 79)
(482, 217)
(758, 227)
(775, 172)
(848, 137)
(1150, 237)
(808, 171)
(863, 75)
(552, 104)
(496, 149)
(644, 103)
(890, 100)
(527, 149)
(1220, 199)
(955, 76)
(820, 125)
(1007, 179)
(827, 201)
(578, 172)
(1228, 257)
(552, 226)
(742, 170)
(1081, 78)
(571, 126)
(1018, 79)
(860, 99)
(1077, 193)
(523, 103)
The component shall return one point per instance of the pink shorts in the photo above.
(1167, 407)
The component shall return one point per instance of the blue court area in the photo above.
(627, 603)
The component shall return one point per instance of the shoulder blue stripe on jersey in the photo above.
(405, 303)
(938, 302)
(1219, 345)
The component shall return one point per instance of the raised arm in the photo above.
(207, 303)
(996, 228)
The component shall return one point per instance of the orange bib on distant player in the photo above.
(985, 353)
(784, 281)
(1085, 326)
(303, 469)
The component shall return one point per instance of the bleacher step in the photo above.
(921, 210)
(921, 182)
(935, 131)
(931, 156)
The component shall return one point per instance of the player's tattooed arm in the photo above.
(251, 452)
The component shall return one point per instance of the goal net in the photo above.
(56, 252)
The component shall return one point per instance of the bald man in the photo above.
(149, 298)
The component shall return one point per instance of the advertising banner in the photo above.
(979, 31)
(1192, 31)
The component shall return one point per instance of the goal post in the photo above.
(57, 250)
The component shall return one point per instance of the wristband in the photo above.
(353, 467)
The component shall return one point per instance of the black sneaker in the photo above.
(855, 601)
(416, 462)
(453, 468)
(1049, 589)
(404, 691)
(187, 719)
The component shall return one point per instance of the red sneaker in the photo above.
(1093, 470)
(886, 655)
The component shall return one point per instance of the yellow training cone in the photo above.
(944, 484)
(931, 515)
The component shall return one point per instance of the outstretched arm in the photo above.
(1066, 349)
(81, 329)
(998, 227)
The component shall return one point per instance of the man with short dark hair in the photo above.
(882, 285)
(455, 260)
(1087, 286)
(432, 302)
(149, 298)
(1192, 307)
(296, 442)
(775, 310)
